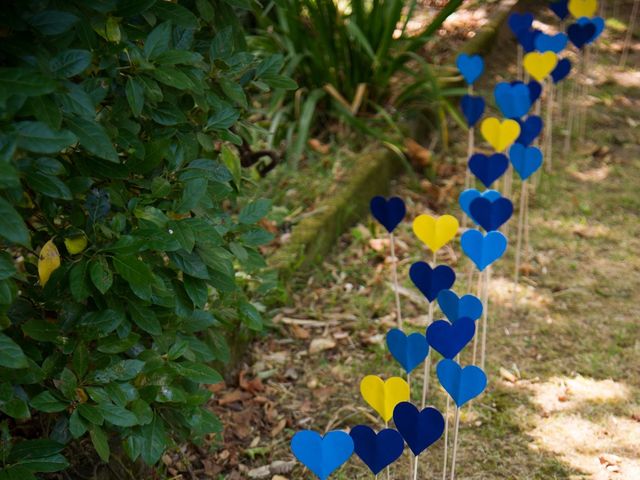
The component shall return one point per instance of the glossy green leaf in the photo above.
(38, 137)
(93, 137)
(70, 62)
(11, 355)
(46, 402)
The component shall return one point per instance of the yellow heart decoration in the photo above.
(499, 134)
(540, 65)
(583, 8)
(435, 233)
(384, 396)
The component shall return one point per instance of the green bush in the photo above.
(116, 170)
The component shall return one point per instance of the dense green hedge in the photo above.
(116, 168)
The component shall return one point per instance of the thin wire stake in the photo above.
(446, 439)
(427, 363)
(455, 444)
(394, 262)
(630, 29)
(516, 276)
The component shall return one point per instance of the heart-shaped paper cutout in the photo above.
(499, 134)
(597, 22)
(431, 281)
(491, 215)
(512, 100)
(408, 350)
(529, 130)
(527, 39)
(483, 250)
(560, 8)
(470, 194)
(377, 451)
(520, 21)
(561, 71)
(551, 43)
(540, 65)
(470, 66)
(583, 8)
(435, 233)
(455, 308)
(535, 90)
(420, 429)
(472, 108)
(462, 384)
(448, 339)
(384, 396)
(581, 34)
(388, 212)
(322, 455)
(525, 160)
(488, 168)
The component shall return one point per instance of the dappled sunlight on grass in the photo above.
(501, 292)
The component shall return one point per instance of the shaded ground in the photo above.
(564, 365)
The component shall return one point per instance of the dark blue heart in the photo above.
(488, 169)
(520, 21)
(551, 43)
(561, 71)
(581, 34)
(388, 212)
(597, 22)
(419, 429)
(470, 66)
(455, 308)
(560, 8)
(491, 215)
(513, 100)
(467, 196)
(535, 90)
(527, 39)
(529, 130)
(472, 108)
(377, 451)
(431, 281)
(449, 339)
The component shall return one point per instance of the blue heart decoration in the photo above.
(388, 212)
(448, 339)
(529, 130)
(598, 23)
(561, 8)
(455, 308)
(527, 39)
(535, 90)
(561, 71)
(551, 43)
(470, 66)
(525, 160)
(472, 108)
(488, 169)
(513, 100)
(322, 455)
(470, 194)
(483, 250)
(420, 429)
(431, 281)
(462, 384)
(580, 35)
(520, 21)
(409, 351)
(491, 215)
(377, 451)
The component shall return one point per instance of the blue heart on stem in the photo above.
(525, 160)
(529, 130)
(488, 169)
(377, 451)
(581, 34)
(470, 194)
(448, 339)
(420, 429)
(470, 66)
(431, 281)
(597, 22)
(409, 351)
(388, 212)
(551, 43)
(462, 384)
(491, 215)
(527, 39)
(520, 21)
(472, 108)
(535, 90)
(483, 250)
(561, 71)
(513, 100)
(322, 455)
(455, 308)
(560, 8)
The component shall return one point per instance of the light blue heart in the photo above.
(409, 351)
(470, 194)
(322, 455)
(454, 307)
(470, 66)
(514, 101)
(525, 160)
(551, 43)
(462, 384)
(483, 250)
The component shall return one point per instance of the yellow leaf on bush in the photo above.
(76, 243)
(48, 261)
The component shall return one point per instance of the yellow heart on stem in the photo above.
(435, 233)
(500, 134)
(540, 65)
(384, 396)
(583, 8)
